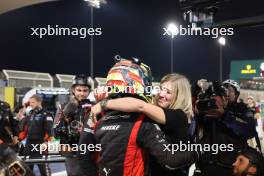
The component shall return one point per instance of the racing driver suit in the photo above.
(127, 139)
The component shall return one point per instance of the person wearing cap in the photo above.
(239, 116)
(220, 121)
(249, 162)
(129, 139)
(233, 90)
(74, 118)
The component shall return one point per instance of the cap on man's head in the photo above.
(81, 80)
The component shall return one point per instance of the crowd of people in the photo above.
(130, 131)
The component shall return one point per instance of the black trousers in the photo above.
(31, 151)
(76, 166)
(72, 166)
(43, 169)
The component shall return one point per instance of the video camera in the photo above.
(68, 130)
(206, 95)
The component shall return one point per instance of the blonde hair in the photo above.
(181, 92)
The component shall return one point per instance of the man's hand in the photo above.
(15, 140)
(101, 93)
(95, 110)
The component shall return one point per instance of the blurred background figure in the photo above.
(8, 126)
(255, 108)
(37, 130)
(249, 162)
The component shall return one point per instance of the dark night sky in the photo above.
(130, 28)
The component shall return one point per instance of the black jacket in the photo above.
(8, 125)
(39, 123)
(128, 140)
(229, 130)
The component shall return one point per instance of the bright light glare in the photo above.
(95, 3)
(222, 41)
(173, 29)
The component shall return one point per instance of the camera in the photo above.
(206, 95)
(68, 128)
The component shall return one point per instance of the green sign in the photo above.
(245, 69)
(262, 110)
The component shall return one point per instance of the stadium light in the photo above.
(93, 4)
(173, 30)
(222, 42)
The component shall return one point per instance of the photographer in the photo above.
(72, 129)
(217, 124)
(239, 117)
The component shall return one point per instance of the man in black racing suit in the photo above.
(127, 139)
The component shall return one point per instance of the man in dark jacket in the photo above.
(37, 130)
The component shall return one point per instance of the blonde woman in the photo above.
(172, 110)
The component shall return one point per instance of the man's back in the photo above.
(128, 139)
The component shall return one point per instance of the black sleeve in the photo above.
(176, 125)
(48, 124)
(86, 138)
(152, 138)
(88, 165)
(13, 125)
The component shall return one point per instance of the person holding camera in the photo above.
(240, 117)
(72, 129)
(219, 124)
